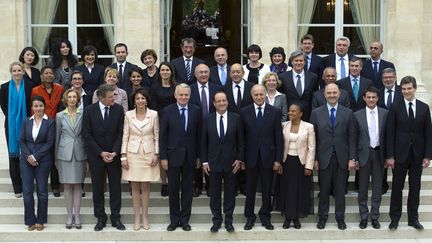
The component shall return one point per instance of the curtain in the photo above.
(366, 12)
(43, 12)
(305, 10)
(105, 9)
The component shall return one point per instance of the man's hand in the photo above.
(276, 166)
(307, 172)
(390, 163)
(206, 168)
(236, 166)
(426, 162)
(106, 157)
(164, 163)
(352, 165)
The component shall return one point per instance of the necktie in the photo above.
(372, 130)
(121, 71)
(106, 117)
(308, 63)
(239, 98)
(221, 128)
(332, 117)
(223, 75)
(188, 69)
(299, 85)
(183, 118)
(389, 99)
(342, 68)
(204, 105)
(411, 114)
(356, 89)
(375, 67)
(260, 117)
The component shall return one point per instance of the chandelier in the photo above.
(331, 5)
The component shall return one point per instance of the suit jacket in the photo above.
(69, 138)
(311, 85)
(42, 146)
(400, 136)
(98, 138)
(124, 80)
(343, 136)
(330, 61)
(195, 97)
(397, 96)
(368, 71)
(364, 83)
(221, 154)
(363, 139)
(180, 69)
(265, 141)
(137, 133)
(305, 143)
(246, 99)
(91, 80)
(315, 65)
(280, 103)
(175, 143)
(318, 98)
(214, 75)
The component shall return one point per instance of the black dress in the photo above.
(254, 73)
(148, 81)
(161, 96)
(35, 79)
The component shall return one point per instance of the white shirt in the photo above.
(102, 109)
(36, 127)
(262, 109)
(206, 90)
(338, 64)
(368, 118)
(224, 121)
(413, 106)
(386, 94)
(234, 89)
(271, 101)
(378, 63)
(302, 79)
(123, 66)
(190, 63)
(81, 105)
(89, 68)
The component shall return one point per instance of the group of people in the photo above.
(226, 129)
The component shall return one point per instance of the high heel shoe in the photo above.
(69, 226)
(146, 226)
(77, 225)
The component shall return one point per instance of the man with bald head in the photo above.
(335, 153)
(219, 74)
(329, 77)
(374, 66)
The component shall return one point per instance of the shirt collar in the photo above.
(262, 106)
(224, 66)
(121, 63)
(329, 106)
(184, 58)
(407, 102)
(375, 110)
(102, 106)
(67, 112)
(224, 114)
(241, 84)
(352, 78)
(45, 117)
(180, 107)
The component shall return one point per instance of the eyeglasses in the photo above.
(374, 48)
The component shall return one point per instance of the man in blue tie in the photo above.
(339, 60)
(219, 74)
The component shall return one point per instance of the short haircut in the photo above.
(66, 93)
(135, 69)
(254, 48)
(295, 54)
(87, 50)
(344, 38)
(111, 70)
(37, 98)
(379, 42)
(389, 70)
(15, 64)
(371, 89)
(75, 72)
(148, 52)
(33, 50)
(408, 80)
(328, 69)
(220, 92)
(307, 37)
(355, 59)
(103, 89)
(120, 45)
(267, 76)
(47, 67)
(299, 105)
(141, 91)
(188, 40)
(278, 50)
(183, 86)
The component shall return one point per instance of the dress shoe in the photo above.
(83, 194)
(31, 227)
(99, 226)
(376, 224)
(296, 223)
(267, 225)
(416, 224)
(363, 224)
(68, 226)
(78, 226)
(321, 224)
(56, 193)
(118, 225)
(341, 224)
(172, 227)
(186, 227)
(39, 227)
(215, 228)
(197, 192)
(164, 190)
(18, 195)
(393, 225)
(286, 224)
(229, 228)
(249, 225)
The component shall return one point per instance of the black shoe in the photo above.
(296, 223)
(215, 228)
(118, 225)
(376, 224)
(99, 226)
(249, 225)
(186, 227)
(56, 193)
(229, 228)
(196, 192)
(164, 190)
(208, 193)
(393, 225)
(286, 224)
(321, 224)
(416, 224)
(363, 224)
(172, 227)
(68, 226)
(341, 224)
(267, 225)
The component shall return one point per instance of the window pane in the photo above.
(324, 39)
(363, 12)
(356, 46)
(43, 37)
(49, 12)
(88, 12)
(92, 36)
(324, 12)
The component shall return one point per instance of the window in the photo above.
(83, 22)
(326, 20)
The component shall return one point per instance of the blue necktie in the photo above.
(389, 99)
(106, 117)
(260, 119)
(342, 68)
(221, 129)
(375, 67)
(204, 105)
(356, 89)
(223, 76)
(332, 116)
(183, 118)
(188, 69)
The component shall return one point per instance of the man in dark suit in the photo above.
(219, 74)
(371, 122)
(299, 85)
(122, 66)
(237, 86)
(409, 150)
(374, 66)
(202, 94)
(335, 153)
(103, 131)
(355, 85)
(222, 152)
(313, 62)
(179, 134)
(184, 66)
(263, 154)
(329, 77)
(339, 60)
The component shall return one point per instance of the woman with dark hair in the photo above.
(29, 57)
(151, 72)
(136, 78)
(140, 153)
(36, 142)
(277, 57)
(62, 60)
(15, 104)
(254, 71)
(93, 73)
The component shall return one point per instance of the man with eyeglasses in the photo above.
(374, 66)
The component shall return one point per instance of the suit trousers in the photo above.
(373, 168)
(229, 180)
(332, 178)
(98, 169)
(15, 174)
(414, 169)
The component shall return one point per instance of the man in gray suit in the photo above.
(371, 122)
(335, 153)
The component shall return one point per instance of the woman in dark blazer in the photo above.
(274, 97)
(93, 73)
(37, 140)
